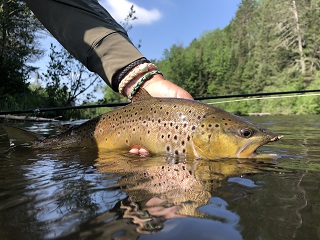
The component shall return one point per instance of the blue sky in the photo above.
(162, 23)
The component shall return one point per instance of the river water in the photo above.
(76, 194)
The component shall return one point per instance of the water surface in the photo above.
(77, 194)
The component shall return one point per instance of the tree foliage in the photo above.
(17, 46)
(66, 79)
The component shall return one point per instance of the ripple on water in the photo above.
(57, 194)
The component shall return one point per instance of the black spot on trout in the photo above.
(175, 126)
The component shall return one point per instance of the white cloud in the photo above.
(119, 10)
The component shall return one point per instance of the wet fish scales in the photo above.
(159, 124)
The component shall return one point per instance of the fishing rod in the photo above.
(256, 94)
(39, 110)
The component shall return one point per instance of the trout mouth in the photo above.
(249, 150)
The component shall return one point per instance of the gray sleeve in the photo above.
(89, 33)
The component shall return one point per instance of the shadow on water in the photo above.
(78, 194)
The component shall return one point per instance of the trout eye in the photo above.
(247, 133)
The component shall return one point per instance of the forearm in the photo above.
(88, 32)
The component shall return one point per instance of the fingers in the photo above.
(140, 151)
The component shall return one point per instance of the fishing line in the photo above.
(265, 98)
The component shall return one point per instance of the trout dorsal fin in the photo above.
(142, 94)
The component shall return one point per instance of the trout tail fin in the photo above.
(18, 136)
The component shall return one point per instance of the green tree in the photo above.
(243, 43)
(17, 47)
(66, 79)
(216, 61)
(112, 97)
(173, 65)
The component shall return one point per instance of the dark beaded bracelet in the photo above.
(123, 72)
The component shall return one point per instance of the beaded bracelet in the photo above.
(142, 68)
(142, 80)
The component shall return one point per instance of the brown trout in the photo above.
(166, 125)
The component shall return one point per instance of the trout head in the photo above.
(228, 136)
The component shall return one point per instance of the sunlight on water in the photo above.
(75, 193)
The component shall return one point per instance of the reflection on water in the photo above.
(77, 194)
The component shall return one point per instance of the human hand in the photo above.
(158, 86)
